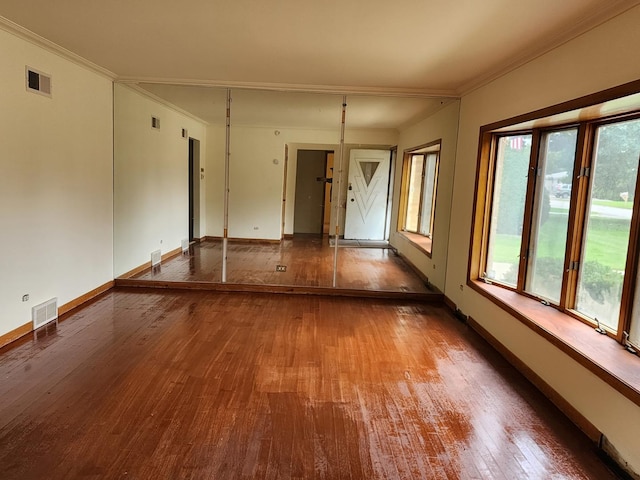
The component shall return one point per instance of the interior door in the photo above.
(367, 192)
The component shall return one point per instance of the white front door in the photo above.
(367, 192)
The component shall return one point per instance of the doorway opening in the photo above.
(194, 189)
(314, 177)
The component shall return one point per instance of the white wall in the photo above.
(256, 181)
(442, 125)
(599, 59)
(151, 178)
(55, 182)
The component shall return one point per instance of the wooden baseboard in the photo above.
(15, 334)
(147, 265)
(288, 236)
(82, 299)
(418, 272)
(64, 310)
(565, 407)
(137, 270)
(172, 253)
(415, 269)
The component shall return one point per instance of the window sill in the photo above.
(419, 241)
(600, 354)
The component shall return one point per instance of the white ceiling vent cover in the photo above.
(37, 81)
(44, 313)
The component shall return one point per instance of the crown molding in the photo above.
(165, 103)
(27, 35)
(606, 12)
(292, 87)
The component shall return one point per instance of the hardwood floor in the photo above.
(309, 262)
(146, 384)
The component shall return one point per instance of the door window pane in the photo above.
(551, 215)
(608, 222)
(507, 210)
(413, 196)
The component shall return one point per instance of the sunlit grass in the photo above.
(606, 244)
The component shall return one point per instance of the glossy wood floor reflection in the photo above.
(309, 262)
(174, 385)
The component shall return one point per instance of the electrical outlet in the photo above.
(25, 297)
(281, 268)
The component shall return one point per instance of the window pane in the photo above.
(413, 196)
(604, 251)
(507, 210)
(634, 329)
(551, 215)
(428, 197)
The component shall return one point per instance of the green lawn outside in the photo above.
(607, 243)
(615, 204)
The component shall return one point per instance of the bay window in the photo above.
(556, 217)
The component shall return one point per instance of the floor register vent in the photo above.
(156, 258)
(44, 313)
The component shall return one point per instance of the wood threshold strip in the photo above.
(600, 354)
(434, 297)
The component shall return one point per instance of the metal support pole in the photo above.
(225, 236)
(338, 199)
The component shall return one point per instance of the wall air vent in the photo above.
(156, 258)
(44, 313)
(155, 123)
(38, 82)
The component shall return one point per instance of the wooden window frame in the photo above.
(416, 237)
(585, 114)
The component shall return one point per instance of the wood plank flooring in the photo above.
(309, 262)
(144, 384)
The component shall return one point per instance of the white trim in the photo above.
(293, 87)
(21, 32)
